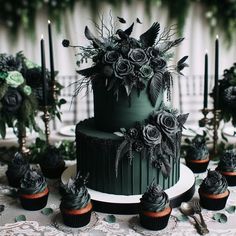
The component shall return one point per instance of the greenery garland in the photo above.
(16, 14)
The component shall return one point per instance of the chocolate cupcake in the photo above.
(17, 169)
(196, 154)
(227, 166)
(52, 163)
(76, 206)
(155, 208)
(33, 191)
(213, 191)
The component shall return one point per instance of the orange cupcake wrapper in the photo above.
(35, 195)
(199, 161)
(228, 173)
(215, 196)
(165, 212)
(80, 211)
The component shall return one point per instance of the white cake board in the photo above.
(183, 190)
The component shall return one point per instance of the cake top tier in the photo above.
(122, 61)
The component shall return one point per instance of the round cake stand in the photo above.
(182, 191)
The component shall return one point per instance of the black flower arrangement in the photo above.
(159, 136)
(21, 93)
(227, 91)
(123, 61)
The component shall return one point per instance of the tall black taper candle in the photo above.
(216, 95)
(205, 101)
(43, 73)
(51, 52)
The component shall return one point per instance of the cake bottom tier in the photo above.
(96, 155)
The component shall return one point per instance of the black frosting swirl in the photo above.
(32, 183)
(75, 195)
(228, 161)
(18, 166)
(51, 157)
(214, 183)
(154, 199)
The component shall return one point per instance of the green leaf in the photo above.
(20, 218)
(62, 101)
(110, 219)
(198, 181)
(47, 211)
(182, 218)
(220, 217)
(231, 209)
(2, 129)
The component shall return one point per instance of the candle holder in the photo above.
(211, 124)
(54, 91)
(22, 142)
(46, 119)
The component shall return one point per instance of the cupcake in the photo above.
(33, 191)
(213, 191)
(52, 163)
(196, 154)
(227, 166)
(76, 206)
(155, 208)
(17, 169)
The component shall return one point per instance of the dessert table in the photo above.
(37, 223)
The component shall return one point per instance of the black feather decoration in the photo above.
(88, 72)
(138, 21)
(155, 87)
(149, 37)
(129, 30)
(121, 20)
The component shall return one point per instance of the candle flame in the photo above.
(217, 36)
(49, 22)
(41, 36)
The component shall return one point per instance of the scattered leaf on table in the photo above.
(20, 218)
(47, 211)
(198, 181)
(231, 209)
(2, 207)
(110, 219)
(220, 217)
(182, 218)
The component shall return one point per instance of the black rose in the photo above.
(152, 52)
(138, 56)
(158, 64)
(33, 77)
(66, 43)
(151, 135)
(230, 96)
(167, 122)
(108, 71)
(111, 56)
(122, 68)
(12, 100)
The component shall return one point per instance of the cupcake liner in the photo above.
(230, 177)
(76, 221)
(34, 204)
(197, 167)
(212, 203)
(154, 223)
(53, 173)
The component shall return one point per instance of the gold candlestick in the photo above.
(46, 119)
(54, 91)
(22, 141)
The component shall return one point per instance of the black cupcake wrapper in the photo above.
(197, 167)
(76, 221)
(212, 203)
(231, 179)
(35, 203)
(53, 173)
(154, 223)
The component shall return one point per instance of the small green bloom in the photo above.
(146, 72)
(14, 79)
(27, 90)
(30, 64)
(3, 75)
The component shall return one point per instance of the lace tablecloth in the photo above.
(128, 225)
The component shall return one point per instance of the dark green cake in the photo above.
(133, 136)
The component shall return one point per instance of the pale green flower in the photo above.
(30, 64)
(27, 90)
(14, 79)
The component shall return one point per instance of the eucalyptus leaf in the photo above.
(198, 181)
(110, 219)
(182, 218)
(20, 218)
(220, 217)
(231, 209)
(47, 211)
